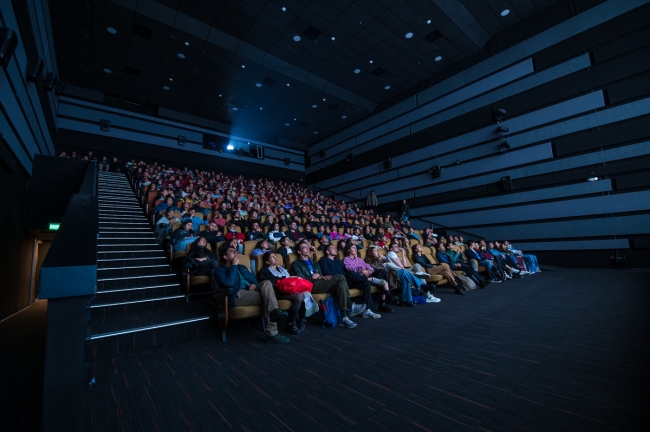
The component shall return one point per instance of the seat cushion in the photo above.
(284, 304)
(243, 312)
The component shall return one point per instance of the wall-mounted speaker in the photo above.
(436, 171)
(105, 125)
(181, 140)
(8, 44)
(259, 152)
(34, 69)
(50, 80)
(350, 158)
(506, 183)
(287, 161)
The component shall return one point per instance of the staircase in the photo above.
(139, 303)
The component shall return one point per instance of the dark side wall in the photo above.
(16, 257)
(82, 142)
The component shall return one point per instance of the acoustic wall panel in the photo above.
(635, 201)
(619, 225)
(516, 198)
(573, 245)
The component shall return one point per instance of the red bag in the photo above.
(293, 285)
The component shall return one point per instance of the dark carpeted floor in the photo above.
(565, 350)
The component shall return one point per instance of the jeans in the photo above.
(487, 264)
(407, 278)
(531, 260)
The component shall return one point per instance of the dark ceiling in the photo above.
(217, 37)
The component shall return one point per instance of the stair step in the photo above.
(133, 254)
(128, 306)
(129, 248)
(108, 241)
(119, 282)
(126, 234)
(137, 293)
(132, 271)
(116, 334)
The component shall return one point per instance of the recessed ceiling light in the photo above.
(370, 61)
(243, 66)
(284, 9)
(107, 70)
(296, 38)
(235, 109)
(171, 79)
(333, 38)
(286, 124)
(505, 12)
(428, 21)
(314, 106)
(165, 87)
(219, 95)
(180, 55)
(409, 35)
(260, 108)
(438, 58)
(288, 85)
(294, 119)
(387, 88)
(343, 117)
(357, 70)
(315, 132)
(258, 85)
(323, 99)
(111, 30)
(187, 44)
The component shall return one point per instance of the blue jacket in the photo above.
(471, 254)
(331, 267)
(228, 277)
(444, 258)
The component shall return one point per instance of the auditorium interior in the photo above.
(473, 176)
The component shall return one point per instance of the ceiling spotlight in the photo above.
(107, 70)
(230, 147)
(296, 38)
(504, 147)
(288, 85)
(261, 108)
(505, 12)
(333, 38)
(370, 61)
(428, 21)
(323, 99)
(295, 119)
(387, 87)
(187, 44)
(593, 177)
(235, 109)
(344, 117)
(357, 70)
(258, 85)
(243, 66)
(284, 9)
(502, 130)
(111, 30)
(286, 124)
(220, 95)
(171, 79)
(438, 58)
(314, 106)
(165, 87)
(499, 115)
(315, 132)
(180, 55)
(409, 35)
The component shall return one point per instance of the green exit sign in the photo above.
(54, 226)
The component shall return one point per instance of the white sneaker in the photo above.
(431, 299)
(508, 276)
(538, 271)
(356, 309)
(514, 270)
(524, 273)
(370, 314)
(347, 323)
(496, 281)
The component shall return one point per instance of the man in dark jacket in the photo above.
(293, 232)
(335, 285)
(212, 235)
(456, 262)
(201, 261)
(246, 291)
(332, 265)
